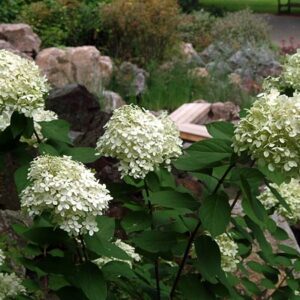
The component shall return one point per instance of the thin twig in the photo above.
(37, 136)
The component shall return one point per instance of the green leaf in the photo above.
(19, 123)
(114, 269)
(57, 282)
(67, 293)
(155, 241)
(47, 149)
(106, 227)
(252, 207)
(204, 154)
(136, 221)
(215, 214)
(208, 181)
(90, 280)
(82, 154)
(56, 265)
(278, 196)
(46, 236)
(221, 130)
(57, 130)
(208, 257)
(173, 199)
(250, 286)
(21, 179)
(192, 288)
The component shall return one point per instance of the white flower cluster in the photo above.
(291, 71)
(291, 193)
(290, 76)
(270, 132)
(229, 252)
(130, 251)
(10, 286)
(139, 140)
(66, 189)
(22, 88)
(39, 115)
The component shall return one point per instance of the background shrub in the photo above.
(63, 22)
(240, 27)
(9, 9)
(196, 28)
(139, 30)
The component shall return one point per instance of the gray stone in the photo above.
(21, 37)
(131, 79)
(82, 65)
(111, 101)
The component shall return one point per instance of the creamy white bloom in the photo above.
(270, 132)
(2, 257)
(66, 189)
(10, 286)
(229, 252)
(289, 79)
(139, 140)
(291, 71)
(39, 115)
(22, 88)
(291, 194)
(129, 250)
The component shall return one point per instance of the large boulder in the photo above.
(19, 37)
(83, 65)
(75, 104)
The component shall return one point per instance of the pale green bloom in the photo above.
(290, 76)
(129, 250)
(291, 193)
(270, 132)
(139, 140)
(66, 189)
(10, 286)
(22, 88)
(229, 252)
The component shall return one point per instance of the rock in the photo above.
(226, 111)
(131, 79)
(111, 101)
(83, 65)
(4, 45)
(198, 73)
(75, 104)
(190, 55)
(21, 37)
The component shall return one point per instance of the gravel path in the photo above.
(284, 28)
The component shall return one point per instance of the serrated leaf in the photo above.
(221, 130)
(155, 241)
(47, 149)
(57, 130)
(173, 199)
(90, 280)
(204, 154)
(215, 214)
(82, 154)
(208, 257)
(21, 179)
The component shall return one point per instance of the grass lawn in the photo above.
(260, 6)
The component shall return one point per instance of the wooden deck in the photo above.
(186, 118)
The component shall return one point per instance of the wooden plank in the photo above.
(190, 113)
(193, 132)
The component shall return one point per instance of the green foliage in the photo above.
(139, 31)
(175, 233)
(63, 22)
(10, 9)
(241, 27)
(196, 28)
(171, 85)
